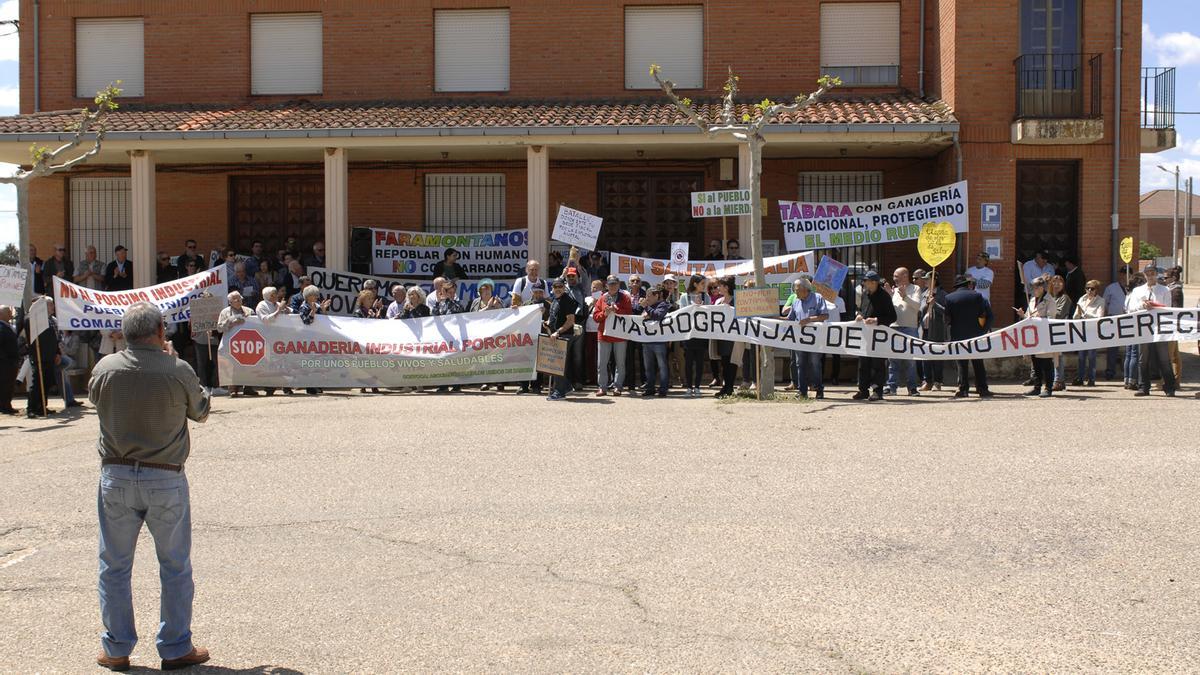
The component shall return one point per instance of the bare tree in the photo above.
(748, 130)
(46, 161)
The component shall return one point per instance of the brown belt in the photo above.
(125, 461)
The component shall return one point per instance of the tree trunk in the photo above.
(766, 371)
(23, 236)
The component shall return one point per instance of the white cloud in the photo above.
(1171, 49)
(10, 45)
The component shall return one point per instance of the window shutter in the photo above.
(471, 49)
(285, 54)
(672, 37)
(107, 50)
(860, 34)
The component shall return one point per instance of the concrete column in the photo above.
(537, 191)
(745, 226)
(337, 210)
(143, 246)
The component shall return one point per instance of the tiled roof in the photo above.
(1161, 204)
(308, 115)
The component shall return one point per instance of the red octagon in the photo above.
(247, 347)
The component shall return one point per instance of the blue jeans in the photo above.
(1110, 363)
(129, 496)
(806, 371)
(909, 365)
(654, 356)
(607, 351)
(64, 382)
(1087, 365)
(1058, 369)
(1131, 363)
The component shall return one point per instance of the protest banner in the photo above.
(720, 203)
(757, 302)
(1029, 336)
(482, 254)
(81, 308)
(830, 276)
(779, 269)
(206, 309)
(809, 226)
(552, 355)
(576, 228)
(342, 288)
(12, 285)
(334, 351)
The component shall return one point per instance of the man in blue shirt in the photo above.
(808, 307)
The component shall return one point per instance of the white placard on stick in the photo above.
(39, 318)
(576, 228)
(679, 253)
(12, 285)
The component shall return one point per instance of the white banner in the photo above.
(81, 308)
(779, 269)
(1029, 336)
(576, 228)
(12, 285)
(342, 288)
(808, 226)
(482, 254)
(337, 352)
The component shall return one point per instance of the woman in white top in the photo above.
(1090, 306)
(229, 319)
(269, 309)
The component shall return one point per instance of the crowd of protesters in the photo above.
(577, 298)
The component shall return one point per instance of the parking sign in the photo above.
(989, 216)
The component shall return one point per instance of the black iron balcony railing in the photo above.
(1158, 98)
(1058, 86)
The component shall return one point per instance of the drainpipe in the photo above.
(921, 57)
(1116, 189)
(37, 57)
(959, 254)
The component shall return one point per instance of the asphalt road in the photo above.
(491, 532)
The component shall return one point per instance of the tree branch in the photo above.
(684, 105)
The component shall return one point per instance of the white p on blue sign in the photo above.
(989, 216)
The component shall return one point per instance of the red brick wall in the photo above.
(199, 52)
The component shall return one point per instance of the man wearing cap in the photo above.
(613, 301)
(1152, 354)
(58, 265)
(560, 325)
(118, 276)
(933, 328)
(968, 315)
(875, 309)
(983, 275)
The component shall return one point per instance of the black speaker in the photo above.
(360, 250)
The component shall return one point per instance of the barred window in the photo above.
(845, 186)
(464, 202)
(99, 216)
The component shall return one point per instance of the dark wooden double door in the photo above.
(272, 208)
(645, 212)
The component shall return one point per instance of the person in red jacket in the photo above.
(613, 301)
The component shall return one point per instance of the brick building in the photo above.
(1157, 214)
(258, 120)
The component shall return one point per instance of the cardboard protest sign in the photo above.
(39, 318)
(552, 355)
(757, 302)
(576, 228)
(206, 309)
(481, 254)
(336, 351)
(809, 226)
(12, 285)
(830, 276)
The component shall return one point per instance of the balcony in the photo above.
(1058, 99)
(1158, 109)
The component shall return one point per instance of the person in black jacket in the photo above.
(10, 360)
(969, 316)
(118, 276)
(45, 346)
(876, 309)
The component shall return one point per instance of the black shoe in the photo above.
(1141, 392)
(876, 396)
(443, 390)
(820, 395)
(249, 392)
(986, 394)
(1036, 391)
(287, 391)
(860, 396)
(1077, 382)
(1029, 383)
(1046, 394)
(9, 411)
(649, 393)
(961, 394)
(311, 391)
(662, 394)
(912, 391)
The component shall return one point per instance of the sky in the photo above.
(1170, 37)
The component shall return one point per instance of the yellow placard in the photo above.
(1126, 249)
(936, 242)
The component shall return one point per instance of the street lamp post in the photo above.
(1175, 220)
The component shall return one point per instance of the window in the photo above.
(860, 42)
(1049, 26)
(99, 216)
(464, 202)
(830, 187)
(470, 50)
(672, 37)
(107, 50)
(285, 54)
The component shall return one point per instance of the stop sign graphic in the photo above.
(248, 347)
